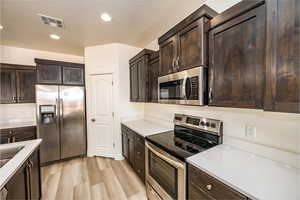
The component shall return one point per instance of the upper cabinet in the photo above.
(153, 77)
(139, 76)
(283, 60)
(237, 56)
(185, 45)
(56, 72)
(17, 84)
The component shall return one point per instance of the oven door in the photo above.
(186, 87)
(165, 175)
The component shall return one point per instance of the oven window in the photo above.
(171, 90)
(164, 174)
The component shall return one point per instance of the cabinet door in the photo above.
(153, 80)
(192, 45)
(237, 61)
(131, 148)
(35, 177)
(49, 74)
(134, 83)
(167, 52)
(8, 86)
(23, 134)
(73, 76)
(125, 145)
(283, 61)
(18, 185)
(142, 79)
(26, 80)
(6, 136)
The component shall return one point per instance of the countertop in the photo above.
(11, 167)
(16, 124)
(253, 175)
(146, 127)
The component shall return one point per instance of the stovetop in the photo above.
(186, 139)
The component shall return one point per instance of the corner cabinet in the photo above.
(283, 56)
(237, 56)
(26, 182)
(139, 76)
(57, 72)
(185, 45)
(17, 84)
(202, 186)
(133, 147)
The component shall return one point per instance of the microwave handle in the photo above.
(183, 89)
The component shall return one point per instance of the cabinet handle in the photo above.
(177, 63)
(209, 187)
(210, 96)
(173, 64)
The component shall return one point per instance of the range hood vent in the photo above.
(52, 21)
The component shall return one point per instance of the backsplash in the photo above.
(277, 130)
(17, 112)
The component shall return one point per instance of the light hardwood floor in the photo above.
(91, 178)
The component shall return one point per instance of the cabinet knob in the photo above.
(209, 187)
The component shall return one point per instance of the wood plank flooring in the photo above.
(91, 178)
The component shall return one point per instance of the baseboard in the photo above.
(119, 157)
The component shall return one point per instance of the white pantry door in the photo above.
(101, 119)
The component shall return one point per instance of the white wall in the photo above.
(277, 130)
(112, 58)
(15, 55)
(21, 56)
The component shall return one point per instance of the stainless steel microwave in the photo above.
(187, 87)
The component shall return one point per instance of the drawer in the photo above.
(211, 186)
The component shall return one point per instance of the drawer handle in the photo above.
(209, 187)
(138, 153)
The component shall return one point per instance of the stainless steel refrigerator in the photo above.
(61, 121)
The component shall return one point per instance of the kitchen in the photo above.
(201, 102)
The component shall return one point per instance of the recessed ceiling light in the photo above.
(1, 27)
(55, 37)
(106, 17)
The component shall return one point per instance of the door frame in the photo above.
(90, 146)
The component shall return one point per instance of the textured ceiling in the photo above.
(134, 22)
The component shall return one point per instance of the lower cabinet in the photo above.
(17, 134)
(133, 146)
(26, 183)
(202, 186)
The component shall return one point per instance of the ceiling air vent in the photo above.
(52, 21)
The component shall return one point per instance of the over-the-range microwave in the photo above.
(187, 87)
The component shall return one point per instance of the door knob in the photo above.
(93, 120)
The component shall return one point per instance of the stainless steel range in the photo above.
(166, 154)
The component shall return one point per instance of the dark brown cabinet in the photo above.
(26, 182)
(73, 76)
(49, 74)
(153, 77)
(139, 76)
(57, 72)
(17, 134)
(133, 146)
(26, 80)
(202, 186)
(185, 45)
(17, 84)
(283, 60)
(8, 86)
(237, 56)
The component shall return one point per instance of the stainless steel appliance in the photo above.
(166, 153)
(187, 87)
(60, 121)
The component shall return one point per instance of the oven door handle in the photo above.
(166, 158)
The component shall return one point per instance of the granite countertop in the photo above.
(146, 127)
(16, 124)
(253, 175)
(11, 167)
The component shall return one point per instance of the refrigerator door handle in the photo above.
(61, 108)
(56, 113)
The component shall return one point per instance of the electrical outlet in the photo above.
(250, 131)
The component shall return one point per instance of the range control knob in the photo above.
(207, 124)
(202, 123)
